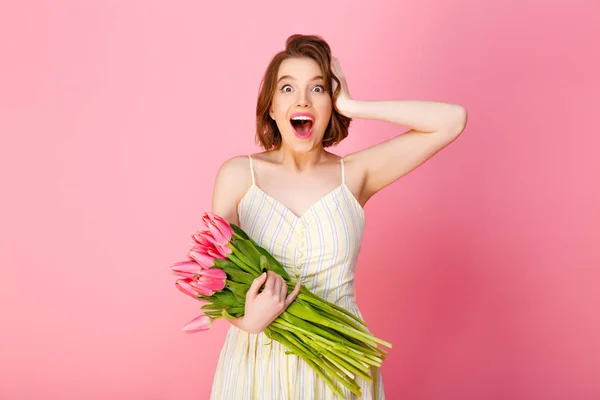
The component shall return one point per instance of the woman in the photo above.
(305, 205)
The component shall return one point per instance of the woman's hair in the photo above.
(314, 47)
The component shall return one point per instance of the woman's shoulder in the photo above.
(240, 164)
(235, 169)
(232, 181)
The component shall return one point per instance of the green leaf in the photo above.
(227, 316)
(272, 263)
(213, 313)
(226, 297)
(212, 306)
(238, 231)
(225, 264)
(249, 251)
(264, 264)
(238, 276)
(242, 263)
(239, 289)
(236, 312)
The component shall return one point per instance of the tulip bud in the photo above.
(198, 324)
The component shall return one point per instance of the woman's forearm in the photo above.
(421, 115)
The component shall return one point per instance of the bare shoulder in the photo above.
(231, 183)
(235, 170)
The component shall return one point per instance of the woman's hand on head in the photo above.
(263, 308)
(344, 98)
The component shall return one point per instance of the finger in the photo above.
(269, 285)
(256, 284)
(284, 289)
(292, 295)
(276, 286)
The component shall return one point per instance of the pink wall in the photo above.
(479, 266)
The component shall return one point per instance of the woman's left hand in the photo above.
(344, 99)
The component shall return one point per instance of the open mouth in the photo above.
(302, 125)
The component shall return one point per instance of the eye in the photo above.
(319, 89)
(286, 88)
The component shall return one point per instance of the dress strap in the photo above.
(251, 169)
(343, 175)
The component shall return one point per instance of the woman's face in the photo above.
(301, 107)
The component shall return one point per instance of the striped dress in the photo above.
(320, 247)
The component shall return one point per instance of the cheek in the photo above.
(280, 105)
(324, 107)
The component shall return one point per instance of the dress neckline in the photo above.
(302, 216)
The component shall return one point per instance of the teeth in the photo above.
(302, 118)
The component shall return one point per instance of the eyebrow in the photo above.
(315, 78)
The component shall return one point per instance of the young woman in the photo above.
(305, 205)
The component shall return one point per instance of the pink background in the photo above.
(479, 266)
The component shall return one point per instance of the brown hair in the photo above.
(314, 47)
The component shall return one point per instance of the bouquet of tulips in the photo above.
(223, 263)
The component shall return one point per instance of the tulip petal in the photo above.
(186, 269)
(185, 286)
(214, 253)
(198, 324)
(202, 238)
(214, 273)
(214, 285)
(201, 257)
(218, 226)
(211, 284)
(217, 234)
(202, 288)
(223, 250)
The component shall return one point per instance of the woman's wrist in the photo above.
(346, 106)
(239, 323)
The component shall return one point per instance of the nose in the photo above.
(303, 99)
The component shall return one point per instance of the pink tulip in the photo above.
(209, 281)
(202, 288)
(222, 249)
(186, 269)
(184, 285)
(220, 228)
(201, 238)
(205, 256)
(207, 240)
(212, 273)
(213, 278)
(198, 324)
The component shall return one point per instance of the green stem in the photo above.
(317, 366)
(313, 316)
(307, 295)
(350, 364)
(366, 357)
(294, 327)
(302, 311)
(348, 359)
(344, 379)
(308, 326)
